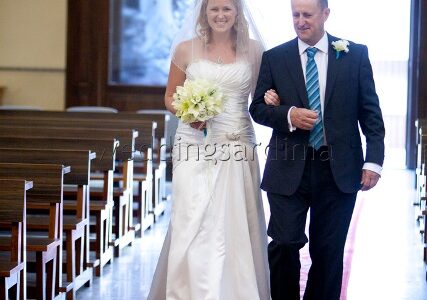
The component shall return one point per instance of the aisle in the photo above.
(386, 264)
(387, 260)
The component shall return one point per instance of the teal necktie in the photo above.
(313, 93)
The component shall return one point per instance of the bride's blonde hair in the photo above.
(240, 28)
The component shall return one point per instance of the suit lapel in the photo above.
(293, 62)
(332, 72)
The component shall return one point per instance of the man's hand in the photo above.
(303, 118)
(369, 180)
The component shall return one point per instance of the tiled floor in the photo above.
(387, 261)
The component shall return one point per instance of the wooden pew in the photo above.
(421, 177)
(44, 239)
(119, 120)
(105, 164)
(421, 128)
(422, 187)
(145, 185)
(167, 124)
(421, 181)
(129, 118)
(419, 123)
(78, 267)
(162, 143)
(13, 215)
(423, 209)
(124, 228)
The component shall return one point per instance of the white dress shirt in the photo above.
(321, 59)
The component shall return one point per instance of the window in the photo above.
(142, 33)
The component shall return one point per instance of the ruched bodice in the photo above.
(233, 79)
(234, 122)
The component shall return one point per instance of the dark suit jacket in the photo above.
(350, 100)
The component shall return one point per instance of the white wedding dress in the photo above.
(216, 245)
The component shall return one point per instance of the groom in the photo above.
(315, 159)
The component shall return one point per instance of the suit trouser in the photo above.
(330, 216)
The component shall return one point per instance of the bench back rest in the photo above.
(77, 160)
(47, 180)
(12, 199)
(104, 148)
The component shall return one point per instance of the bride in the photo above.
(216, 243)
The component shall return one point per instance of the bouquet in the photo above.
(197, 100)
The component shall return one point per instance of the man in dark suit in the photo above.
(315, 95)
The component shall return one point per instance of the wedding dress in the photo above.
(216, 245)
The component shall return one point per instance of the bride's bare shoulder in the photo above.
(183, 46)
(186, 51)
(188, 46)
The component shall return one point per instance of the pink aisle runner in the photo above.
(348, 253)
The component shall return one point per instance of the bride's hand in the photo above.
(271, 98)
(198, 125)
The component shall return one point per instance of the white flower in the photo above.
(197, 100)
(341, 45)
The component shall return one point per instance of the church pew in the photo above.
(124, 228)
(76, 229)
(167, 124)
(423, 209)
(12, 215)
(421, 179)
(143, 143)
(162, 143)
(420, 174)
(422, 131)
(161, 120)
(422, 185)
(421, 128)
(419, 123)
(105, 164)
(44, 238)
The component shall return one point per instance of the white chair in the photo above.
(100, 109)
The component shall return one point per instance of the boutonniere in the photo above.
(340, 46)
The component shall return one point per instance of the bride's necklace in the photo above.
(218, 52)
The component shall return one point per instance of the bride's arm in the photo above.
(176, 78)
(177, 74)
